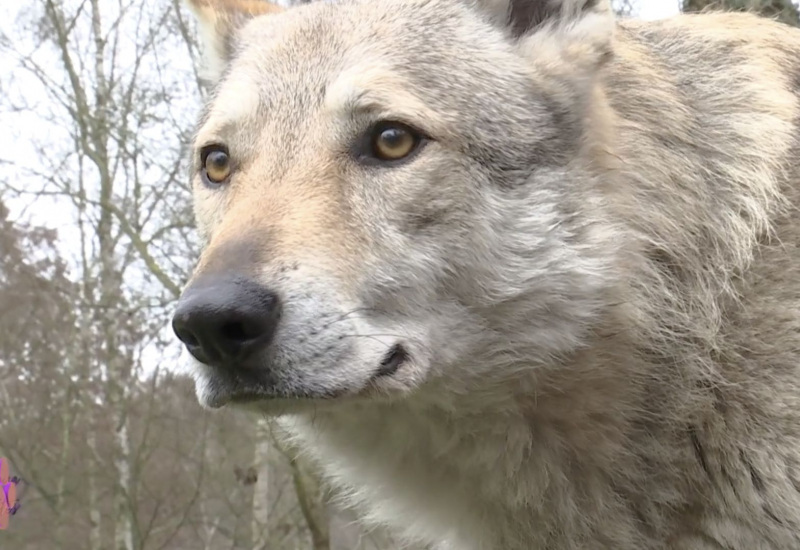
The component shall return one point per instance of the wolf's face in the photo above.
(384, 187)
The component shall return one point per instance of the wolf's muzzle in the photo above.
(223, 322)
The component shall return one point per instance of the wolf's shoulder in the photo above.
(702, 47)
(709, 88)
(715, 30)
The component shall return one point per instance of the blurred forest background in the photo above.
(97, 102)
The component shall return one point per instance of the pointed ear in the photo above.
(219, 20)
(524, 16)
(580, 28)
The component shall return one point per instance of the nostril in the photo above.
(189, 339)
(184, 334)
(236, 332)
(236, 339)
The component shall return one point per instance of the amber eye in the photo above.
(216, 165)
(393, 141)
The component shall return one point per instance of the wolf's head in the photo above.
(390, 190)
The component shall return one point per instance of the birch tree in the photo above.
(89, 59)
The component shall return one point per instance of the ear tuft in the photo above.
(522, 17)
(219, 20)
(528, 14)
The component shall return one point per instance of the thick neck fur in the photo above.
(540, 462)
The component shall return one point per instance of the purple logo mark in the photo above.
(9, 504)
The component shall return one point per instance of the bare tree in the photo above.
(88, 58)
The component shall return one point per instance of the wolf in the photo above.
(514, 273)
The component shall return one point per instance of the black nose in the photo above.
(224, 322)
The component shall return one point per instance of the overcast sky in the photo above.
(657, 9)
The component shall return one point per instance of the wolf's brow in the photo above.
(202, 120)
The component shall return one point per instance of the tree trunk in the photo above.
(345, 533)
(95, 518)
(261, 502)
(63, 462)
(308, 496)
(116, 358)
(123, 527)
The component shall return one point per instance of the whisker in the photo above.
(372, 337)
(344, 316)
(376, 335)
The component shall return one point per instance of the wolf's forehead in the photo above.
(283, 65)
(323, 57)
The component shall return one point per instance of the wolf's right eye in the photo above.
(393, 142)
(216, 165)
(390, 142)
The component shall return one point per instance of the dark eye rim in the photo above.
(204, 154)
(364, 151)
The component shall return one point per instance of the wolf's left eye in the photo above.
(216, 165)
(392, 141)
